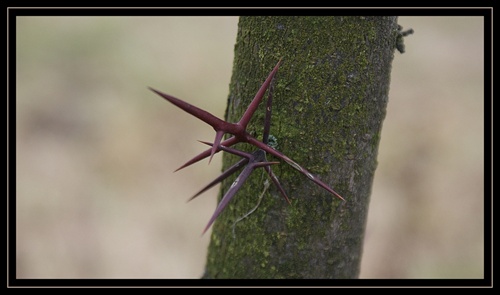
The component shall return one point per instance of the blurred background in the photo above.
(96, 150)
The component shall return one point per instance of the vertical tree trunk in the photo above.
(329, 101)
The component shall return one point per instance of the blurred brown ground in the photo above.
(96, 196)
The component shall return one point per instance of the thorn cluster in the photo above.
(239, 134)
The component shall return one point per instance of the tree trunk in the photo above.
(329, 101)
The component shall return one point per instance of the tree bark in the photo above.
(329, 101)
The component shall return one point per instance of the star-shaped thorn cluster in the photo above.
(239, 134)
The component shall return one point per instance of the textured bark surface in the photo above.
(329, 101)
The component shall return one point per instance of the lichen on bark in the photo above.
(329, 101)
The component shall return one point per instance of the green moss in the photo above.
(327, 117)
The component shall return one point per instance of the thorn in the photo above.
(215, 146)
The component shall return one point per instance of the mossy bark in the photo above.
(329, 101)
